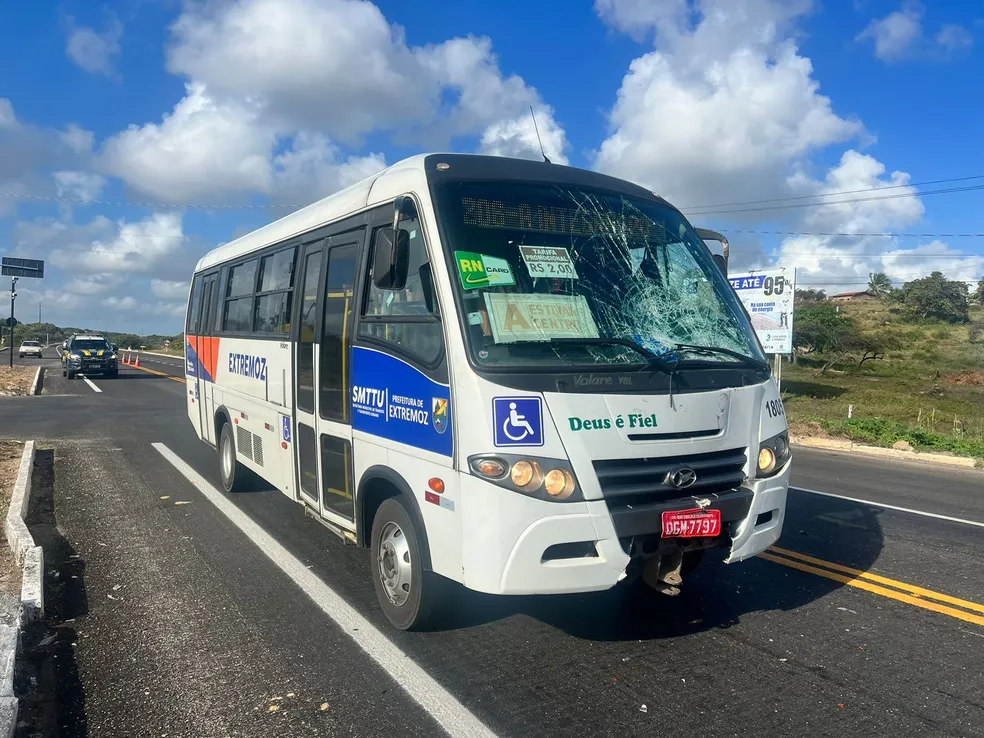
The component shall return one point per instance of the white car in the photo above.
(30, 348)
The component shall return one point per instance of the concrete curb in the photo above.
(31, 559)
(37, 381)
(848, 446)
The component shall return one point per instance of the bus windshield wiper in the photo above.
(746, 360)
(653, 360)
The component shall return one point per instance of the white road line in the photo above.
(892, 507)
(454, 717)
(94, 387)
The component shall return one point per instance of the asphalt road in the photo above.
(166, 618)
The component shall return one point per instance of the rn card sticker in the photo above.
(482, 270)
(539, 317)
(551, 262)
(518, 421)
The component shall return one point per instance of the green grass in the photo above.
(906, 396)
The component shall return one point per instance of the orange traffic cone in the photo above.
(138, 361)
(126, 359)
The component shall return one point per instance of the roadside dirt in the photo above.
(15, 381)
(10, 456)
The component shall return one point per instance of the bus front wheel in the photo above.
(230, 470)
(408, 595)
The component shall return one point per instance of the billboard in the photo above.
(768, 297)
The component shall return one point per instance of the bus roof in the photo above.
(402, 177)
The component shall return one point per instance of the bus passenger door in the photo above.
(305, 377)
(324, 433)
(207, 357)
(334, 421)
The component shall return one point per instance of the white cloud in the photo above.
(30, 152)
(104, 247)
(78, 185)
(93, 51)
(314, 168)
(94, 284)
(167, 290)
(638, 18)
(518, 138)
(900, 36)
(304, 86)
(952, 37)
(722, 109)
(843, 263)
(203, 147)
(863, 212)
(78, 139)
(896, 34)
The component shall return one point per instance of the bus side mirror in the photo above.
(391, 259)
(722, 263)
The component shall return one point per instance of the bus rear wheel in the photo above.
(408, 595)
(230, 470)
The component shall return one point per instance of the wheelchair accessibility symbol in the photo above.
(518, 421)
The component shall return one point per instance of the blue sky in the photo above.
(154, 105)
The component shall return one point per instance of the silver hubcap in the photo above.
(395, 571)
(226, 457)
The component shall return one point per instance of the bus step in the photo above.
(347, 536)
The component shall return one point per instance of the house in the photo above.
(848, 296)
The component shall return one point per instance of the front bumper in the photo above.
(93, 367)
(520, 545)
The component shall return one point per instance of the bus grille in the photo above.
(244, 442)
(628, 482)
(249, 445)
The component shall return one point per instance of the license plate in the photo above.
(694, 523)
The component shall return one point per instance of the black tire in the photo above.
(21, 355)
(234, 479)
(70, 375)
(113, 374)
(425, 590)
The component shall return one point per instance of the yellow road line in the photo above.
(159, 374)
(876, 589)
(911, 588)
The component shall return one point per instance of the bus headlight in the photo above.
(527, 474)
(546, 479)
(559, 483)
(773, 455)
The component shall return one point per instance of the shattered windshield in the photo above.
(553, 275)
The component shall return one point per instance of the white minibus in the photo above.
(520, 377)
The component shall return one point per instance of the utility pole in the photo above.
(13, 296)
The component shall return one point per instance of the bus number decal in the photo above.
(774, 408)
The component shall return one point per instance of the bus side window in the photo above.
(416, 329)
(194, 307)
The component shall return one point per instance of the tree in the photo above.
(879, 284)
(810, 296)
(938, 298)
(979, 293)
(820, 328)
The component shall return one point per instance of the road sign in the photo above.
(11, 322)
(13, 266)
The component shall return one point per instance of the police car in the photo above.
(89, 354)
